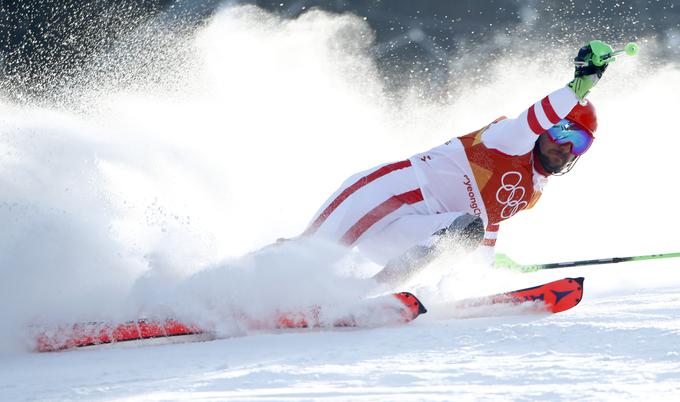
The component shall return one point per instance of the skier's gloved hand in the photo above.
(591, 62)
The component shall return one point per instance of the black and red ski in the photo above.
(553, 297)
(397, 308)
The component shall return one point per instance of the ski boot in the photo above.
(464, 234)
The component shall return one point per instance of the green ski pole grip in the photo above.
(601, 52)
(631, 49)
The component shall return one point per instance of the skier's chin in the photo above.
(552, 165)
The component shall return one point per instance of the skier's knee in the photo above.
(467, 231)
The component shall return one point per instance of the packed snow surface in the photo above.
(131, 196)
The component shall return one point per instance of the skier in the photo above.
(404, 214)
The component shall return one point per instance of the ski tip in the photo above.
(566, 295)
(414, 305)
(421, 308)
(578, 280)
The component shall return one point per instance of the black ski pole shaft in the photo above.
(507, 262)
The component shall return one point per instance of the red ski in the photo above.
(398, 308)
(551, 297)
(97, 333)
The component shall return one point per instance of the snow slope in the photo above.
(137, 197)
(620, 343)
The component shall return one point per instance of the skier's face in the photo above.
(554, 157)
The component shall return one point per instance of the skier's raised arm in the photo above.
(517, 136)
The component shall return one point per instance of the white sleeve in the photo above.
(486, 250)
(517, 136)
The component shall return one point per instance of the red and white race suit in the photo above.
(490, 173)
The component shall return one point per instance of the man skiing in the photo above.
(403, 214)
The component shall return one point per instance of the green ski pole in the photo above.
(603, 53)
(503, 261)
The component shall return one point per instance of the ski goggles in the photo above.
(568, 132)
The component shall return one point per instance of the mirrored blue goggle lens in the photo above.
(567, 132)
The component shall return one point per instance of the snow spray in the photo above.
(142, 183)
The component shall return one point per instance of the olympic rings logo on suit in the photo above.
(510, 194)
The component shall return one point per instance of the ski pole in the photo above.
(504, 261)
(603, 53)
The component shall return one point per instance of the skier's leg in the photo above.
(367, 202)
(459, 231)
